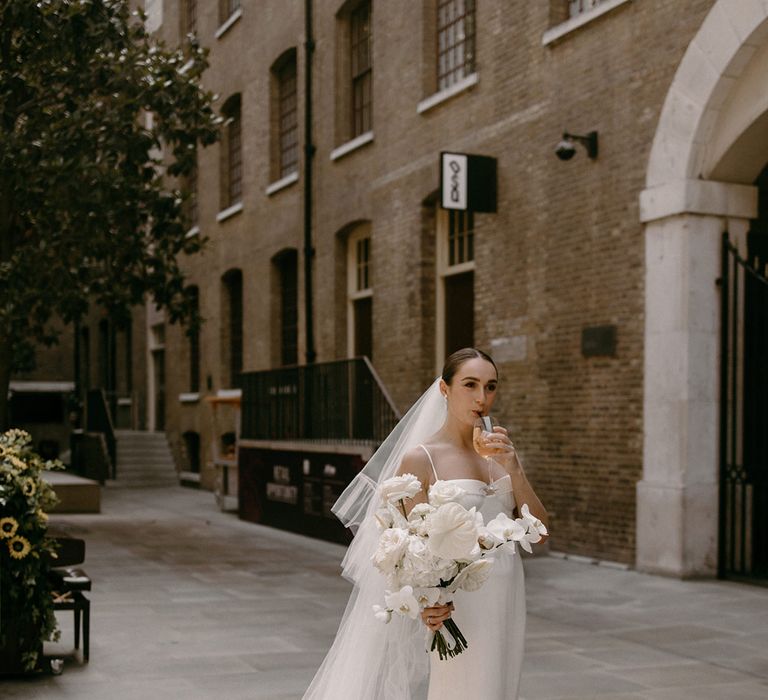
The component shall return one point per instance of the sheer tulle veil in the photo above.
(370, 660)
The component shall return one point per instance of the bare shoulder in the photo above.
(416, 462)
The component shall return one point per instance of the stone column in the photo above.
(677, 498)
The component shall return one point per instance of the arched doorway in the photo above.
(710, 146)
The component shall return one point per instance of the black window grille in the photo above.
(455, 41)
(194, 347)
(289, 131)
(234, 157)
(233, 283)
(461, 237)
(361, 44)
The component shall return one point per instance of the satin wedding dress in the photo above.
(373, 661)
(492, 619)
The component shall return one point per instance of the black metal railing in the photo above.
(743, 517)
(342, 401)
(99, 420)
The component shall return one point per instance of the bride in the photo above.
(434, 441)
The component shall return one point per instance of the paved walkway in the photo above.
(193, 604)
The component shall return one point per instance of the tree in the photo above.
(95, 114)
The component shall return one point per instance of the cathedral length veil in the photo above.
(370, 660)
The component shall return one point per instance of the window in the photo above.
(456, 281)
(361, 60)
(577, 7)
(190, 210)
(287, 265)
(455, 41)
(232, 328)
(359, 293)
(188, 17)
(286, 132)
(192, 450)
(231, 154)
(194, 346)
(227, 8)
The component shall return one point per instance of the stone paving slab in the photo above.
(191, 603)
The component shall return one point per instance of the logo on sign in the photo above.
(454, 181)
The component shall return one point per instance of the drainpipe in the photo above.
(309, 152)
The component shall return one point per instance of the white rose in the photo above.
(392, 544)
(382, 614)
(399, 487)
(471, 577)
(403, 602)
(442, 492)
(452, 531)
(417, 518)
(418, 564)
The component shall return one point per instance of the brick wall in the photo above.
(563, 253)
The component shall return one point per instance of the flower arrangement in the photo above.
(439, 548)
(26, 604)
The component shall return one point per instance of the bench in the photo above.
(68, 584)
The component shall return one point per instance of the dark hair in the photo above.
(458, 358)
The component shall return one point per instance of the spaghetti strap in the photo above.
(434, 471)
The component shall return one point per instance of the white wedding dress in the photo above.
(492, 619)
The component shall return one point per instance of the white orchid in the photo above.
(403, 602)
(399, 487)
(473, 576)
(533, 521)
(427, 597)
(505, 528)
(442, 492)
(487, 540)
(382, 614)
(453, 532)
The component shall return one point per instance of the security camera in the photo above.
(565, 150)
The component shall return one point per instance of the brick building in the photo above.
(594, 282)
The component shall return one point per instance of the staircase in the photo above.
(144, 460)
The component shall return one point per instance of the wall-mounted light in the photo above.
(566, 149)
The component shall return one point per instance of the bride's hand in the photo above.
(503, 448)
(434, 617)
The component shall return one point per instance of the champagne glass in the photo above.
(482, 430)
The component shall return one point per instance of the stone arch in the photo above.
(705, 155)
(727, 41)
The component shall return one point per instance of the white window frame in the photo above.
(443, 270)
(353, 292)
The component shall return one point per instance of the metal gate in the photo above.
(743, 531)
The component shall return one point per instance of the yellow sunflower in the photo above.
(19, 547)
(20, 464)
(8, 527)
(28, 487)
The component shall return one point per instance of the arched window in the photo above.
(194, 346)
(360, 292)
(284, 111)
(231, 154)
(232, 328)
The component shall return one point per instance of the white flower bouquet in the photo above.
(438, 549)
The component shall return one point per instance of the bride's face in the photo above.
(472, 390)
